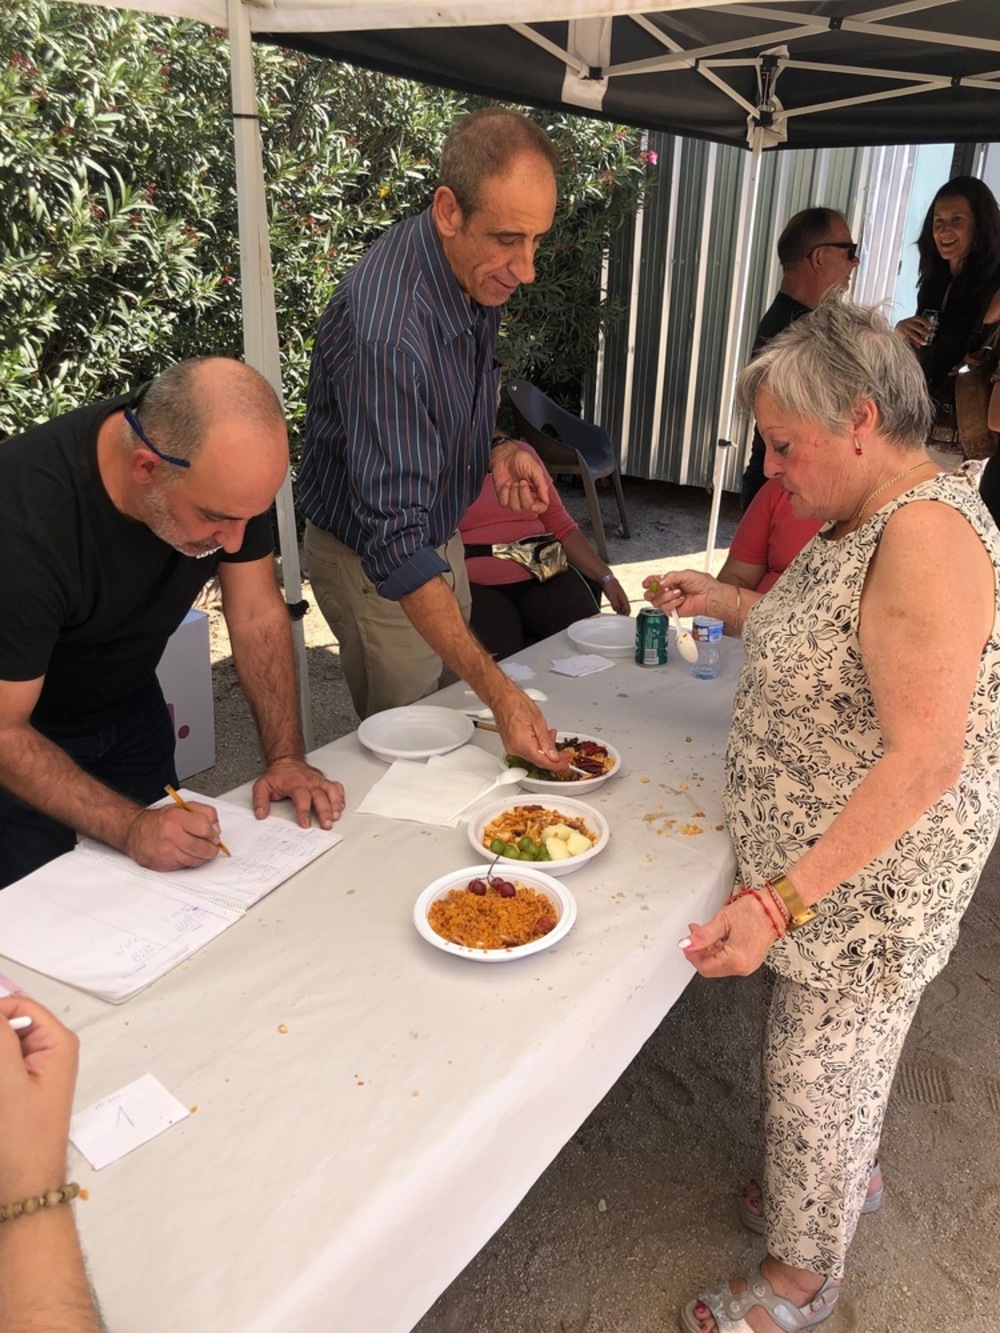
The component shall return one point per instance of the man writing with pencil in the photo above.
(112, 518)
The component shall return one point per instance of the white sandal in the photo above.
(727, 1307)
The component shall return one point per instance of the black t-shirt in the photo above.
(783, 311)
(961, 306)
(88, 597)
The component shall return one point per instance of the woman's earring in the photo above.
(857, 447)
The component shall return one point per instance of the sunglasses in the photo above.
(849, 247)
(133, 421)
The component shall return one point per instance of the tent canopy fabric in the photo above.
(792, 73)
(815, 74)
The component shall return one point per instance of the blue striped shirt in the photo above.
(400, 408)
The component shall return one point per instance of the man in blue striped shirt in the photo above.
(400, 423)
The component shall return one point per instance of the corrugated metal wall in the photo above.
(661, 387)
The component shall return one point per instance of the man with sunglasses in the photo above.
(112, 519)
(816, 254)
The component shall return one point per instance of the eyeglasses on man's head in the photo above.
(133, 421)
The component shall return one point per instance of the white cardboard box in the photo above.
(185, 674)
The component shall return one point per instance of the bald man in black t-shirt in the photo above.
(112, 518)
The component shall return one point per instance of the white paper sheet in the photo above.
(96, 920)
(124, 1120)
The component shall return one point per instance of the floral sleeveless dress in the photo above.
(805, 733)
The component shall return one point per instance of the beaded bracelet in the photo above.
(776, 898)
(34, 1202)
(755, 894)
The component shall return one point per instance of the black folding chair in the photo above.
(566, 443)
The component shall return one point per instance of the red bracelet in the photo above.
(756, 894)
(775, 897)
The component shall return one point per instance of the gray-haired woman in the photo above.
(862, 791)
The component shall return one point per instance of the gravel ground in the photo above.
(638, 1209)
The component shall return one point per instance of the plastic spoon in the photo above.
(686, 644)
(504, 779)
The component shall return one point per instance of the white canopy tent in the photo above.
(847, 73)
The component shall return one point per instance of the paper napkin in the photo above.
(516, 670)
(430, 793)
(584, 664)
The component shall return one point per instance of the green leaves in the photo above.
(118, 250)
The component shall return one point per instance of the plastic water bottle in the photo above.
(707, 632)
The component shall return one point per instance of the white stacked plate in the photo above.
(611, 636)
(415, 731)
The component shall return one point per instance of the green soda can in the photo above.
(651, 637)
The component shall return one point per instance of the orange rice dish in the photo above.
(488, 921)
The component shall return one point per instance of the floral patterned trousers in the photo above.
(829, 1062)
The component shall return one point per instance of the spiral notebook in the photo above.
(96, 920)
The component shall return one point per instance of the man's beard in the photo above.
(162, 524)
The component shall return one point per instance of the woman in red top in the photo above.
(768, 539)
(511, 609)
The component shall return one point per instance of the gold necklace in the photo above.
(856, 520)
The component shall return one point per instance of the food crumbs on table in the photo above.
(690, 830)
(192, 1110)
(719, 828)
(415, 1092)
(282, 1027)
(84, 1195)
(644, 779)
(689, 738)
(350, 891)
(699, 814)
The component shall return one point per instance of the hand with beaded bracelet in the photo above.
(735, 941)
(43, 1281)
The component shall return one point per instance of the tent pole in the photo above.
(737, 313)
(260, 324)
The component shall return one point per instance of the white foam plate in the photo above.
(611, 636)
(576, 785)
(593, 819)
(414, 732)
(558, 895)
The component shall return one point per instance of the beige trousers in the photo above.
(386, 662)
(829, 1062)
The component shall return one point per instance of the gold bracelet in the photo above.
(739, 608)
(798, 912)
(34, 1202)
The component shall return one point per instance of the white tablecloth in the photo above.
(338, 1175)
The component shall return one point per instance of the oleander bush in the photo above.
(118, 241)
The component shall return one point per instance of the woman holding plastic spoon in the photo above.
(860, 783)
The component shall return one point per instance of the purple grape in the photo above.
(477, 886)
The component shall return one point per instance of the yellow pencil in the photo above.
(184, 806)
